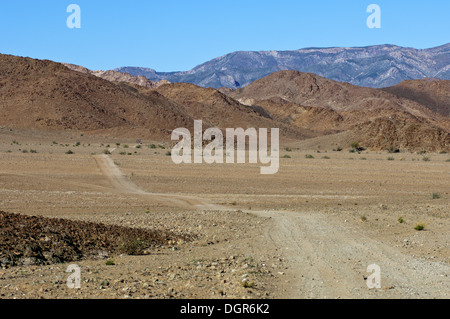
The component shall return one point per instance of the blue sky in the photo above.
(179, 34)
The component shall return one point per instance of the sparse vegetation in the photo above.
(288, 149)
(110, 262)
(393, 149)
(401, 220)
(326, 157)
(168, 153)
(426, 159)
(247, 284)
(69, 152)
(134, 247)
(390, 159)
(419, 226)
(436, 196)
(286, 156)
(309, 156)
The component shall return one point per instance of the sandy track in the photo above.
(325, 258)
(124, 185)
(328, 259)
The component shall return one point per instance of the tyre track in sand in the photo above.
(324, 257)
(122, 184)
(327, 258)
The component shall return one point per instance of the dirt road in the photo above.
(329, 259)
(325, 257)
(124, 185)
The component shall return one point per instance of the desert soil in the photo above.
(309, 231)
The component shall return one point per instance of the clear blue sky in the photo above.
(180, 34)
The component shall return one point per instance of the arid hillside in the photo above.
(47, 95)
(431, 93)
(309, 101)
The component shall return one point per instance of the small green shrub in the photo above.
(134, 247)
(419, 226)
(247, 284)
(69, 152)
(110, 262)
(401, 220)
(436, 196)
(309, 156)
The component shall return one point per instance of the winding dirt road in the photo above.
(123, 184)
(325, 258)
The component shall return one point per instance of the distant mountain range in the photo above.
(373, 66)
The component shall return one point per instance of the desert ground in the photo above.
(309, 231)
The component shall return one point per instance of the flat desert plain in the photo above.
(309, 231)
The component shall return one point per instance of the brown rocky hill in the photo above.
(219, 110)
(47, 95)
(309, 101)
(431, 93)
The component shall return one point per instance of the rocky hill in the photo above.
(47, 95)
